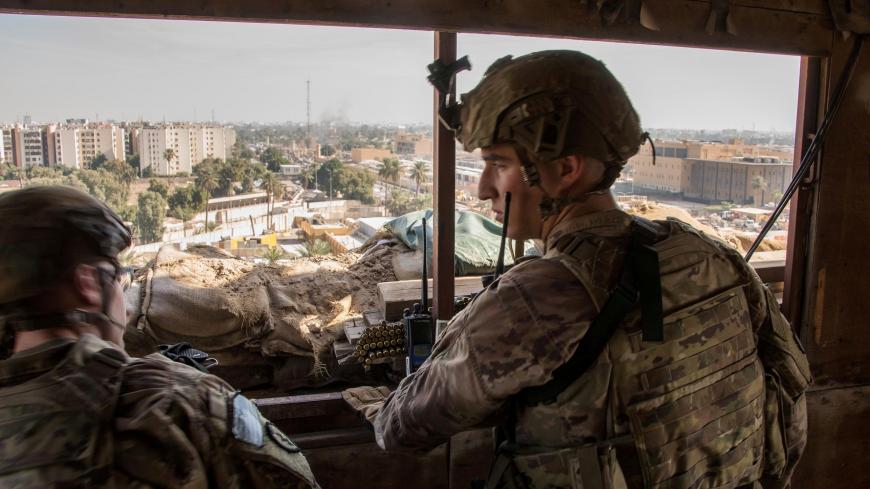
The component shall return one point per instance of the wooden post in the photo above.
(800, 210)
(444, 196)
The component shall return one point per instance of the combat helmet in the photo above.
(551, 104)
(44, 232)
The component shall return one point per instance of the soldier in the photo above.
(75, 410)
(611, 370)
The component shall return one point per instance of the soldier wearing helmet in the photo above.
(75, 410)
(633, 353)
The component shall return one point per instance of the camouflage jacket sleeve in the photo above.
(511, 337)
(178, 427)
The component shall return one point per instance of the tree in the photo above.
(206, 181)
(227, 175)
(389, 172)
(274, 188)
(152, 207)
(184, 203)
(158, 186)
(759, 183)
(135, 162)
(10, 172)
(328, 172)
(169, 155)
(98, 161)
(315, 247)
(108, 186)
(273, 158)
(327, 150)
(404, 202)
(356, 184)
(309, 175)
(252, 173)
(420, 174)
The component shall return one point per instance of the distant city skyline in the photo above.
(66, 68)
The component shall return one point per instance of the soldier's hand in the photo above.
(366, 400)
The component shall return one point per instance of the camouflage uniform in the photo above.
(717, 403)
(528, 323)
(83, 414)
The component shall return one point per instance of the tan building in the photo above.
(746, 180)
(670, 172)
(667, 175)
(413, 144)
(358, 155)
(190, 144)
(75, 146)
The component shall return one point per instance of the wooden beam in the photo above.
(444, 185)
(839, 272)
(800, 210)
(782, 26)
(394, 297)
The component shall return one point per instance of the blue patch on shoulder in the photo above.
(246, 421)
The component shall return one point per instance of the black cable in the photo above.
(499, 265)
(815, 145)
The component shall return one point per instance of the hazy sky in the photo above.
(63, 67)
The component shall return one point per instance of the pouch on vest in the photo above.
(582, 467)
(787, 378)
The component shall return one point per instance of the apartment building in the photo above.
(170, 149)
(34, 148)
(75, 146)
(5, 152)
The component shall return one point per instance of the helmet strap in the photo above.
(34, 322)
(551, 206)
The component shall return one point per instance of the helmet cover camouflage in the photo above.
(553, 104)
(39, 226)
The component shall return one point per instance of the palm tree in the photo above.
(759, 183)
(389, 172)
(272, 255)
(168, 155)
(420, 175)
(206, 181)
(315, 247)
(274, 188)
(308, 175)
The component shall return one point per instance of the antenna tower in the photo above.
(308, 111)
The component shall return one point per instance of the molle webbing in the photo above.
(53, 428)
(639, 285)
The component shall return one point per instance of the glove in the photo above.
(366, 400)
(186, 354)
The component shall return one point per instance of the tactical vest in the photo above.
(713, 404)
(53, 429)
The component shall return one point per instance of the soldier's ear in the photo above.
(86, 285)
(570, 171)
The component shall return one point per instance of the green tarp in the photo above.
(477, 240)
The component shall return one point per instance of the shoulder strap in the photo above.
(639, 283)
